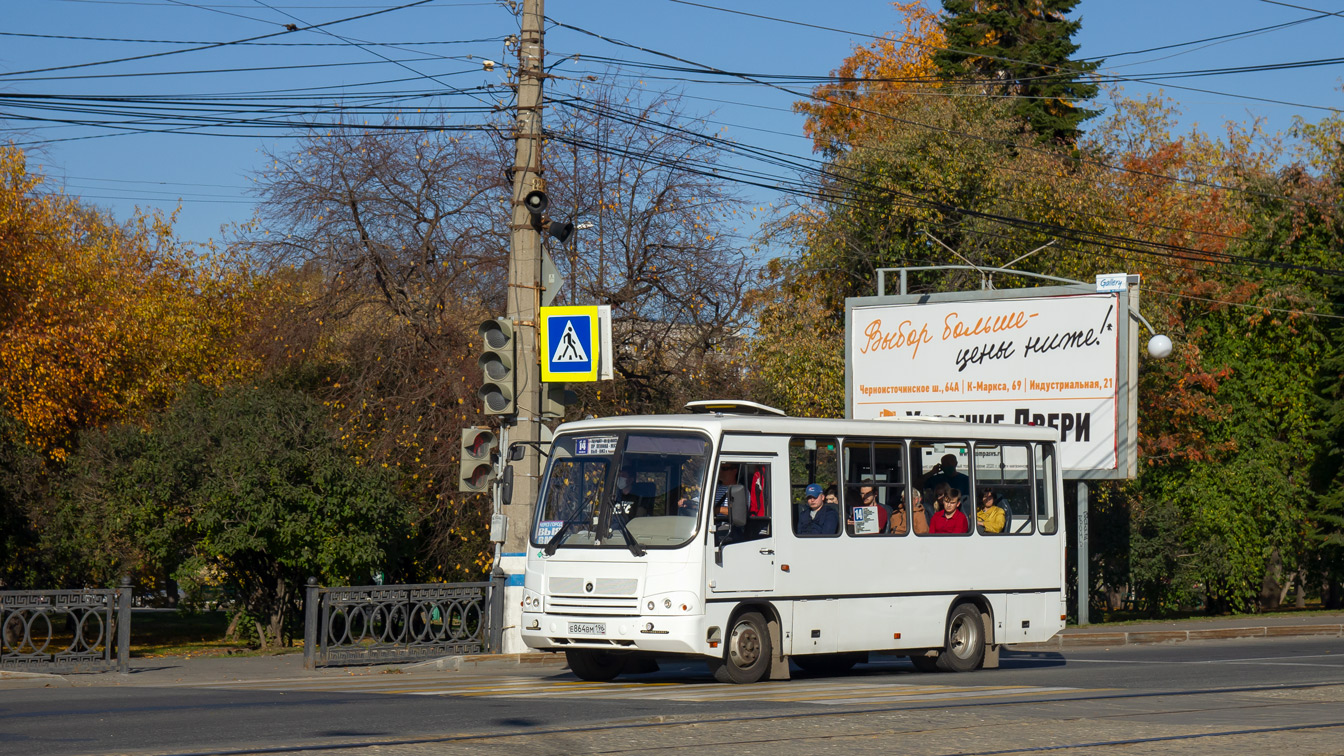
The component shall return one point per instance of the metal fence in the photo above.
(69, 630)
(388, 623)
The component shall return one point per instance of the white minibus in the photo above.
(751, 539)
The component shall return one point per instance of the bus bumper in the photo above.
(668, 635)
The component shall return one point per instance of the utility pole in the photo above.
(524, 300)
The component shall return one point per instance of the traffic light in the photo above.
(554, 398)
(476, 466)
(497, 366)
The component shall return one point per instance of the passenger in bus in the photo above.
(817, 518)
(988, 515)
(690, 505)
(935, 498)
(946, 472)
(949, 518)
(727, 478)
(833, 497)
(904, 516)
(867, 498)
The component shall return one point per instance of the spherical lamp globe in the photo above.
(1159, 346)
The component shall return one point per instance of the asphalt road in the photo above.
(1228, 697)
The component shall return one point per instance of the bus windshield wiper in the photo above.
(630, 541)
(559, 534)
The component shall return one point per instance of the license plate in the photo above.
(587, 628)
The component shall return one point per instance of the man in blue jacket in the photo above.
(817, 519)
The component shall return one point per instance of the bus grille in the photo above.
(592, 605)
(573, 586)
(609, 596)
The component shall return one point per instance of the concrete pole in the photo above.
(1083, 582)
(524, 300)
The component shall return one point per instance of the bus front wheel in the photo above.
(594, 666)
(747, 652)
(964, 645)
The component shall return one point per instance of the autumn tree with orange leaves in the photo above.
(874, 78)
(100, 321)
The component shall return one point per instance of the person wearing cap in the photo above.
(817, 518)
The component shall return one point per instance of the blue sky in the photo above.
(441, 44)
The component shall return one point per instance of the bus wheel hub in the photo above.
(744, 647)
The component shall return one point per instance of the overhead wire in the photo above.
(887, 116)
(1063, 70)
(1082, 236)
(363, 46)
(754, 176)
(214, 45)
(243, 44)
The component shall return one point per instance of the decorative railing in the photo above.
(70, 630)
(390, 623)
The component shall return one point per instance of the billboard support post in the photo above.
(1082, 537)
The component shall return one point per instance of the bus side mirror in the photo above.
(737, 506)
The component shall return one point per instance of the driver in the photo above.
(628, 503)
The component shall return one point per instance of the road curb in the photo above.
(13, 679)
(475, 661)
(1157, 637)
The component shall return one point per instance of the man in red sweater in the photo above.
(949, 518)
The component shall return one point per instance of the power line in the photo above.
(244, 44)
(818, 169)
(1080, 236)
(910, 122)
(365, 47)
(217, 44)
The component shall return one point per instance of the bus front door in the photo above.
(743, 559)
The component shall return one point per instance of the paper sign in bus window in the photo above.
(865, 520)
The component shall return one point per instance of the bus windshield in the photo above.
(626, 490)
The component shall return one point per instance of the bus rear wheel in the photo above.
(747, 652)
(964, 644)
(595, 666)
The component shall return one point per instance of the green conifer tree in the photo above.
(1021, 48)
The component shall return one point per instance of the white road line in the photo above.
(1229, 662)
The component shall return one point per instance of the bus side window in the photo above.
(935, 465)
(1003, 488)
(874, 491)
(812, 460)
(1044, 468)
(756, 480)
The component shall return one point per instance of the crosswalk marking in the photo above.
(834, 691)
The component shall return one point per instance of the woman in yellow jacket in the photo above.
(989, 515)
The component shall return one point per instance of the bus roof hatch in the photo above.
(731, 407)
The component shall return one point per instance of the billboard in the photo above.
(1053, 356)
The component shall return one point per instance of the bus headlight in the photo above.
(531, 601)
(673, 603)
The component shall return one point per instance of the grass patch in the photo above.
(170, 633)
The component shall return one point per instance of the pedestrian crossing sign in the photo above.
(569, 344)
